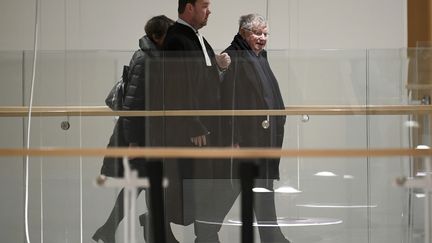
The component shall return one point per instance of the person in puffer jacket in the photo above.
(143, 92)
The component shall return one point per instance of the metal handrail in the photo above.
(170, 152)
(51, 111)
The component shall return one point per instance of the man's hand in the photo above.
(199, 141)
(223, 60)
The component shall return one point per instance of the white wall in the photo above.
(116, 25)
(347, 24)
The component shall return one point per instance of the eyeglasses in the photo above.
(258, 33)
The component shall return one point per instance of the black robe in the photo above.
(189, 84)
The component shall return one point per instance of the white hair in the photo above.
(250, 20)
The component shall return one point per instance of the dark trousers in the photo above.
(224, 193)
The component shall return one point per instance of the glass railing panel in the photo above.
(326, 78)
(388, 84)
(387, 71)
(326, 185)
(418, 88)
(325, 204)
(11, 133)
(321, 77)
(75, 77)
(308, 188)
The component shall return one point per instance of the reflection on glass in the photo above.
(287, 189)
(287, 222)
(335, 205)
(325, 173)
(282, 189)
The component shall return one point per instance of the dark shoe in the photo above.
(106, 236)
(143, 219)
(198, 240)
(272, 235)
(206, 233)
(143, 222)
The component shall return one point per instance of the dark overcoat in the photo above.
(243, 89)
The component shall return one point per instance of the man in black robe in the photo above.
(191, 82)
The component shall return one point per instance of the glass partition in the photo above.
(330, 100)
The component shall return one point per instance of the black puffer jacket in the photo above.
(144, 92)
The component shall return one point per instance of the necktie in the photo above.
(207, 58)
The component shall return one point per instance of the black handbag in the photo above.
(115, 97)
(113, 166)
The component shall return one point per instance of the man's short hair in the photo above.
(250, 20)
(157, 26)
(182, 5)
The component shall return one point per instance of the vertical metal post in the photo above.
(426, 100)
(249, 172)
(129, 202)
(156, 207)
(427, 160)
(427, 205)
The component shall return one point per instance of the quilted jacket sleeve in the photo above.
(135, 99)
